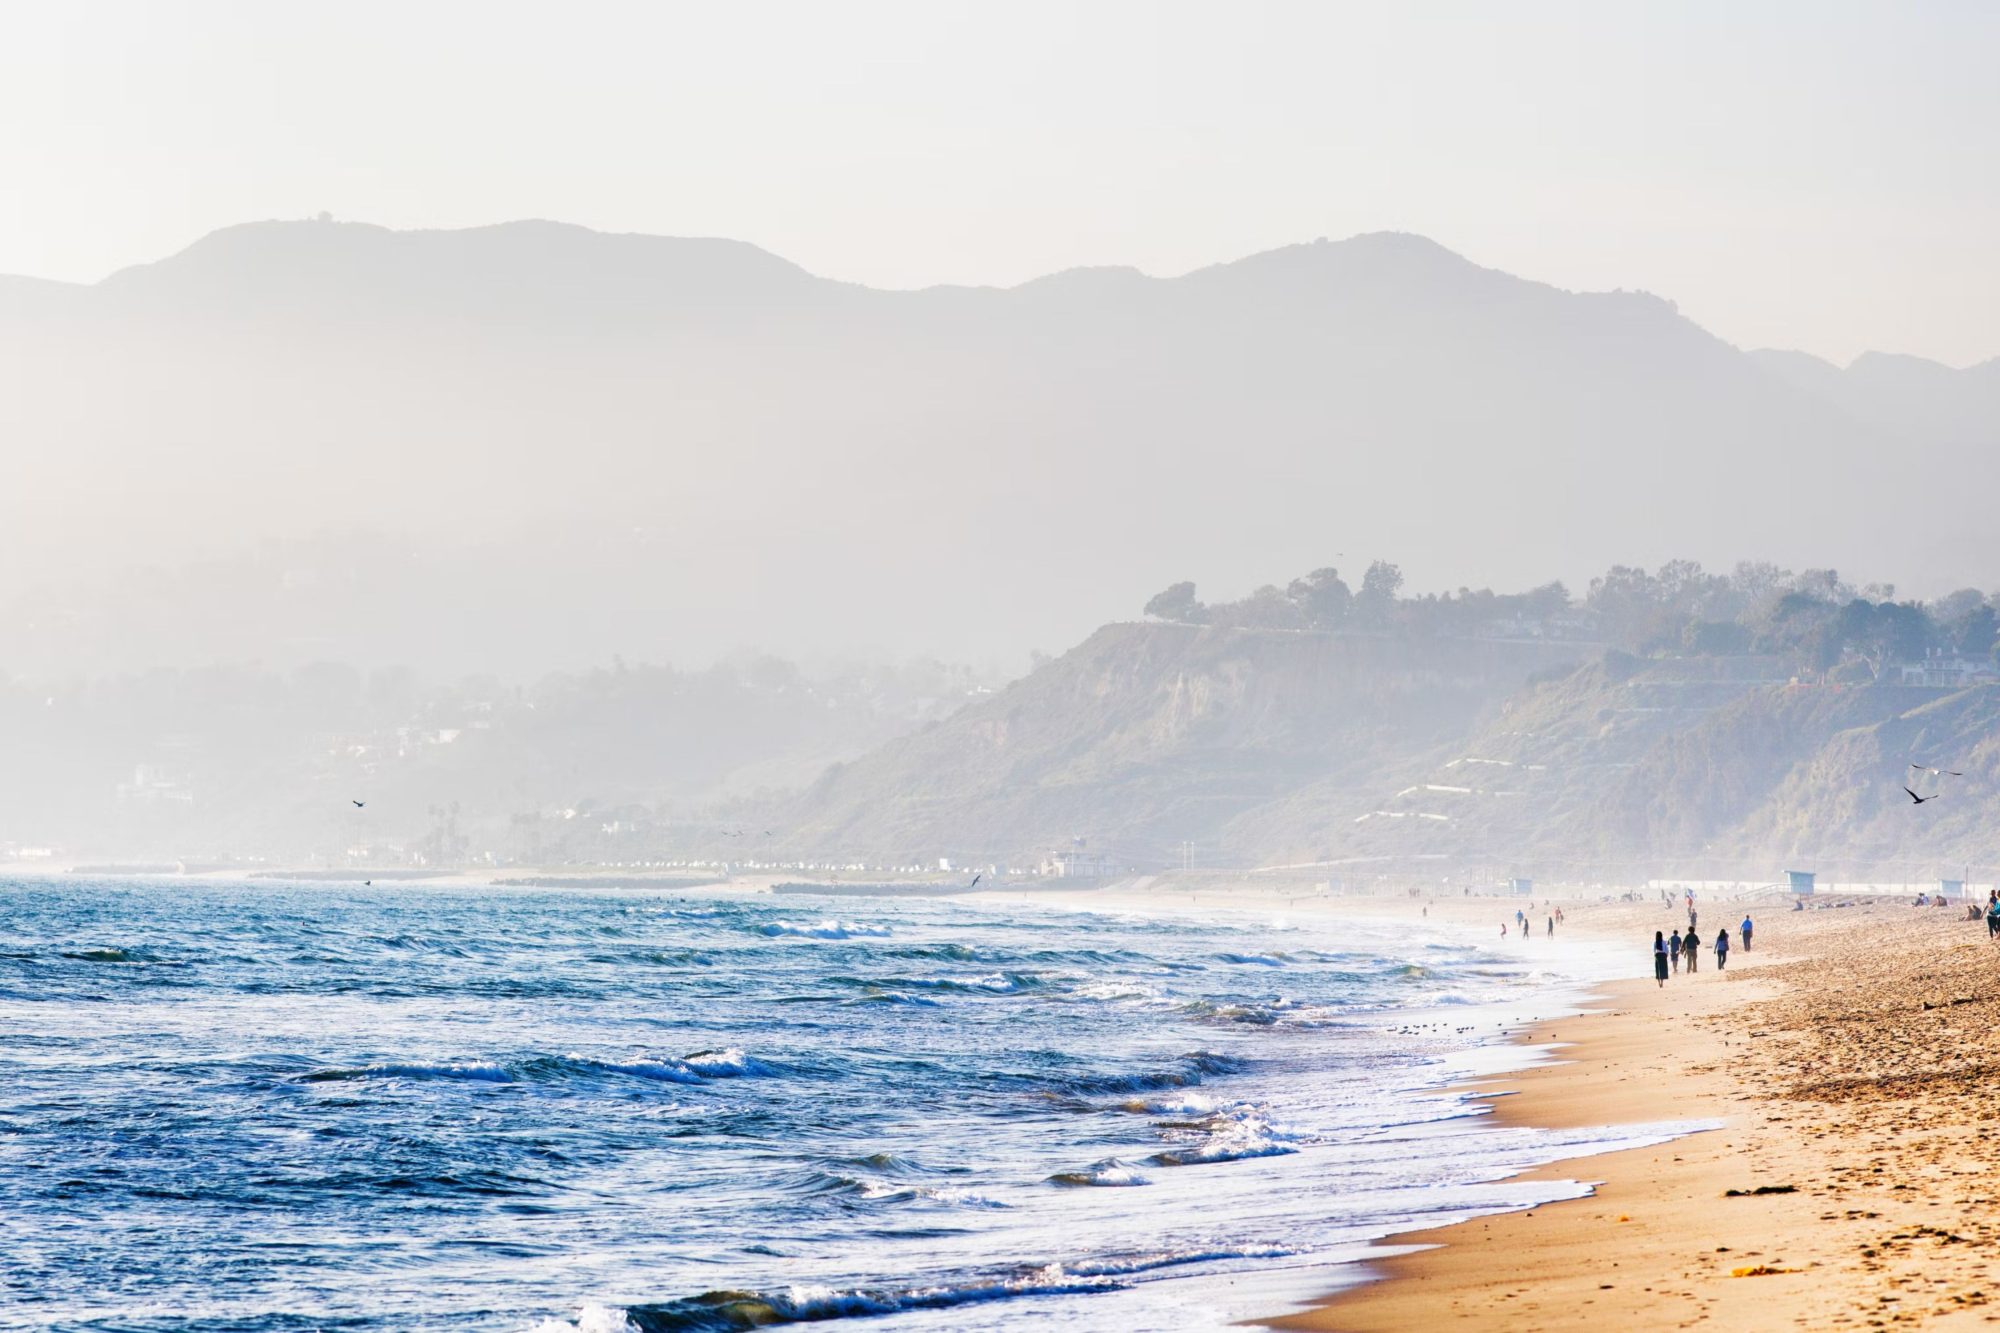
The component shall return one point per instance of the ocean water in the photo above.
(266, 1107)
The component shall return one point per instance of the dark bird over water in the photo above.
(1919, 799)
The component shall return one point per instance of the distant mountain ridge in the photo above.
(675, 446)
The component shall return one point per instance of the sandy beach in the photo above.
(1848, 1059)
(1849, 1187)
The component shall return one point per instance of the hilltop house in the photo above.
(1950, 673)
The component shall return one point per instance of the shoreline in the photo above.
(1841, 1188)
(1562, 1264)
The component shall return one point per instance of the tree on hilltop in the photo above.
(1376, 601)
(1177, 603)
(1322, 597)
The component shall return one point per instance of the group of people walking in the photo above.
(1670, 953)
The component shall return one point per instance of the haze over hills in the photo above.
(531, 446)
(1492, 745)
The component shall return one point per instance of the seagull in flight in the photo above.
(1934, 772)
(975, 881)
(1920, 799)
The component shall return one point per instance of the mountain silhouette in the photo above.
(532, 444)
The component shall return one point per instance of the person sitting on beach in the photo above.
(1674, 950)
(1745, 928)
(1721, 949)
(1691, 946)
(1660, 958)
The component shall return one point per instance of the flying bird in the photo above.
(1920, 799)
(359, 804)
(1934, 772)
(975, 881)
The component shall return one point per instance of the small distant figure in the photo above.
(1691, 920)
(358, 804)
(975, 881)
(1691, 946)
(1660, 958)
(1552, 927)
(1674, 950)
(1721, 949)
(1745, 930)
(1992, 917)
(1921, 799)
(1503, 930)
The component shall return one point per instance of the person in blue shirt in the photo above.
(1746, 933)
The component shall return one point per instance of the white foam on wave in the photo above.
(803, 1303)
(1254, 959)
(824, 930)
(732, 1063)
(1110, 1173)
(1230, 1134)
(1146, 1263)
(659, 1070)
(590, 1319)
(477, 1073)
(697, 1068)
(1186, 1103)
(1001, 983)
(993, 983)
(1115, 990)
(949, 1195)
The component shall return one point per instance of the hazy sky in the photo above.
(1816, 175)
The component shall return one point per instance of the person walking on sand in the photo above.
(1674, 950)
(1746, 927)
(1722, 948)
(1552, 927)
(1691, 946)
(1660, 958)
(1993, 918)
